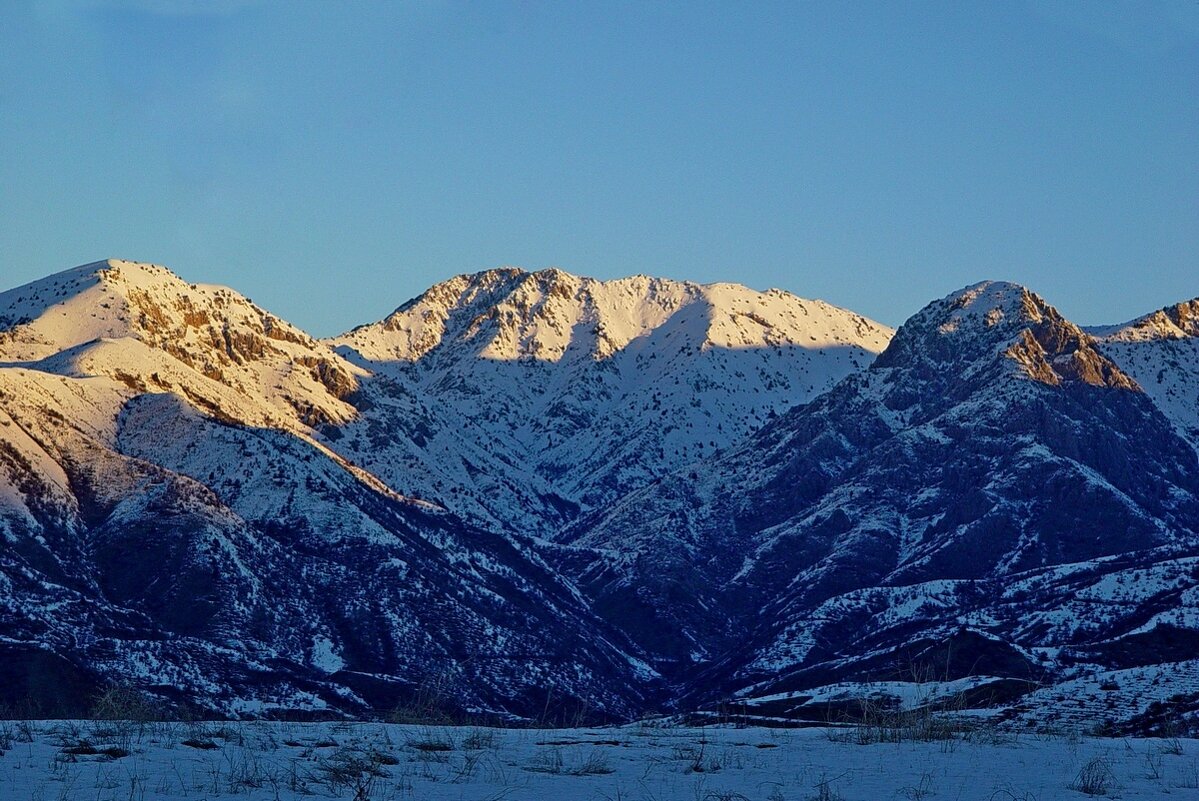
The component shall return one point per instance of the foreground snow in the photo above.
(65, 760)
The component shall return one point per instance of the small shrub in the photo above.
(1095, 778)
(26, 731)
(1153, 765)
(120, 702)
(883, 722)
(87, 749)
(596, 764)
(919, 791)
(479, 740)
(432, 702)
(825, 790)
(550, 761)
(431, 742)
(351, 769)
(203, 745)
(383, 758)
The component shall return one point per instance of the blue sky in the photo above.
(331, 160)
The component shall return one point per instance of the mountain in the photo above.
(1161, 351)
(544, 394)
(993, 487)
(200, 496)
(526, 495)
(171, 519)
(207, 343)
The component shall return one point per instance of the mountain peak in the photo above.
(142, 325)
(115, 298)
(1161, 351)
(510, 314)
(990, 303)
(117, 273)
(1178, 321)
(970, 328)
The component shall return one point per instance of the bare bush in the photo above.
(824, 790)
(480, 740)
(594, 764)
(1095, 777)
(431, 741)
(881, 722)
(353, 770)
(550, 761)
(121, 702)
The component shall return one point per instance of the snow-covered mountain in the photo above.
(524, 491)
(206, 343)
(992, 486)
(170, 519)
(1161, 351)
(549, 393)
(235, 492)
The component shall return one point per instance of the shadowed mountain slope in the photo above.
(991, 440)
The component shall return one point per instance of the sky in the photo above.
(332, 159)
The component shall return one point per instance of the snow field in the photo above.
(265, 761)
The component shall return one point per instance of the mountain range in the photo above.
(525, 492)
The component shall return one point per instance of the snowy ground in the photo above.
(43, 761)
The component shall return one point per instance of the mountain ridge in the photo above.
(1161, 351)
(654, 492)
(969, 450)
(551, 367)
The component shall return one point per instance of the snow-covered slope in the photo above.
(1161, 351)
(729, 495)
(584, 389)
(989, 441)
(144, 326)
(170, 519)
